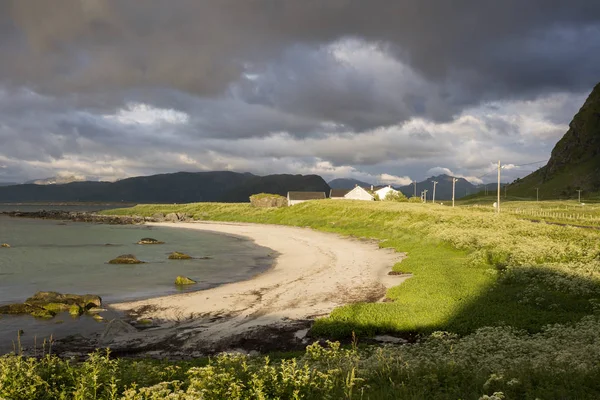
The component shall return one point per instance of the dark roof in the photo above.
(338, 192)
(306, 195)
(375, 188)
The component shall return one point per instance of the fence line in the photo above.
(555, 215)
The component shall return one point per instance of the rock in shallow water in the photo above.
(18, 309)
(176, 255)
(149, 241)
(45, 299)
(184, 280)
(126, 259)
(48, 304)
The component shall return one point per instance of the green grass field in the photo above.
(503, 308)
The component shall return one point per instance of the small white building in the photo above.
(384, 191)
(301, 197)
(359, 193)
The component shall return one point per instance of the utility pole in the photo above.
(498, 203)
(415, 183)
(434, 183)
(579, 191)
(537, 194)
(453, 189)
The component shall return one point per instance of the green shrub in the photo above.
(396, 196)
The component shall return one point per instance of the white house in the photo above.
(384, 191)
(359, 193)
(301, 197)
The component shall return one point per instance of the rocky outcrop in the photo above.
(179, 256)
(17, 309)
(184, 280)
(177, 217)
(267, 200)
(582, 140)
(48, 304)
(575, 160)
(149, 241)
(125, 259)
(81, 217)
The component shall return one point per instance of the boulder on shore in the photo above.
(126, 259)
(5, 245)
(177, 217)
(184, 280)
(149, 241)
(176, 255)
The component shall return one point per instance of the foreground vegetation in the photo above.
(518, 302)
(493, 363)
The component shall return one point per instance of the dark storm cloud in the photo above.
(486, 48)
(263, 83)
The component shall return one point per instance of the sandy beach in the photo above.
(314, 272)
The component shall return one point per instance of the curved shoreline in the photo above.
(314, 273)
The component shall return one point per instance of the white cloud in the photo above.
(394, 180)
(145, 114)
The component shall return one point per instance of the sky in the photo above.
(385, 91)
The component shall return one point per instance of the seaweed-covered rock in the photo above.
(184, 280)
(56, 307)
(43, 313)
(176, 255)
(149, 241)
(48, 304)
(54, 300)
(18, 309)
(76, 310)
(125, 259)
(6, 245)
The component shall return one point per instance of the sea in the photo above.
(72, 257)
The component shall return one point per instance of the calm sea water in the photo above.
(71, 257)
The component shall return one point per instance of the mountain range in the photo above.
(347, 183)
(443, 189)
(574, 162)
(180, 187)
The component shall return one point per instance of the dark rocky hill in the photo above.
(180, 187)
(575, 160)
